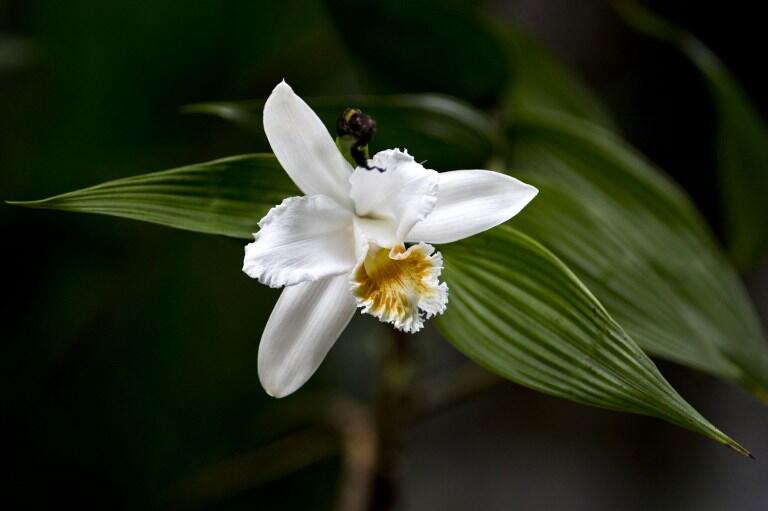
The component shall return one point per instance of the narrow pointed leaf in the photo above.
(520, 312)
(534, 299)
(639, 244)
(227, 196)
(445, 131)
(742, 138)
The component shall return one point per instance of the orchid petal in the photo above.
(304, 147)
(396, 189)
(302, 239)
(305, 323)
(470, 202)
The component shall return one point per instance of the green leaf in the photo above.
(742, 138)
(541, 82)
(446, 132)
(639, 244)
(532, 293)
(520, 312)
(227, 196)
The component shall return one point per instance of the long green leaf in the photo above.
(742, 138)
(515, 307)
(227, 196)
(639, 244)
(186, 198)
(446, 132)
(562, 328)
(520, 312)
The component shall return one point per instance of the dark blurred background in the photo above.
(128, 352)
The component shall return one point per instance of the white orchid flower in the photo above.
(343, 245)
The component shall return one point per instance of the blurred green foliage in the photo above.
(742, 137)
(128, 355)
(423, 46)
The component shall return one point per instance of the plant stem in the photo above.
(391, 412)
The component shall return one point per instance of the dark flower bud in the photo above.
(355, 124)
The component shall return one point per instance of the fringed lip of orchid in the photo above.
(400, 286)
(358, 238)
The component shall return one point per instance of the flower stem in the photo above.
(391, 412)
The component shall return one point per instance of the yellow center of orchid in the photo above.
(395, 285)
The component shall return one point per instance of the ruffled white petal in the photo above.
(403, 192)
(470, 202)
(304, 325)
(304, 147)
(302, 239)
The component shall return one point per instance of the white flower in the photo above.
(343, 244)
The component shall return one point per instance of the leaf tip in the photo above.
(24, 203)
(735, 446)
